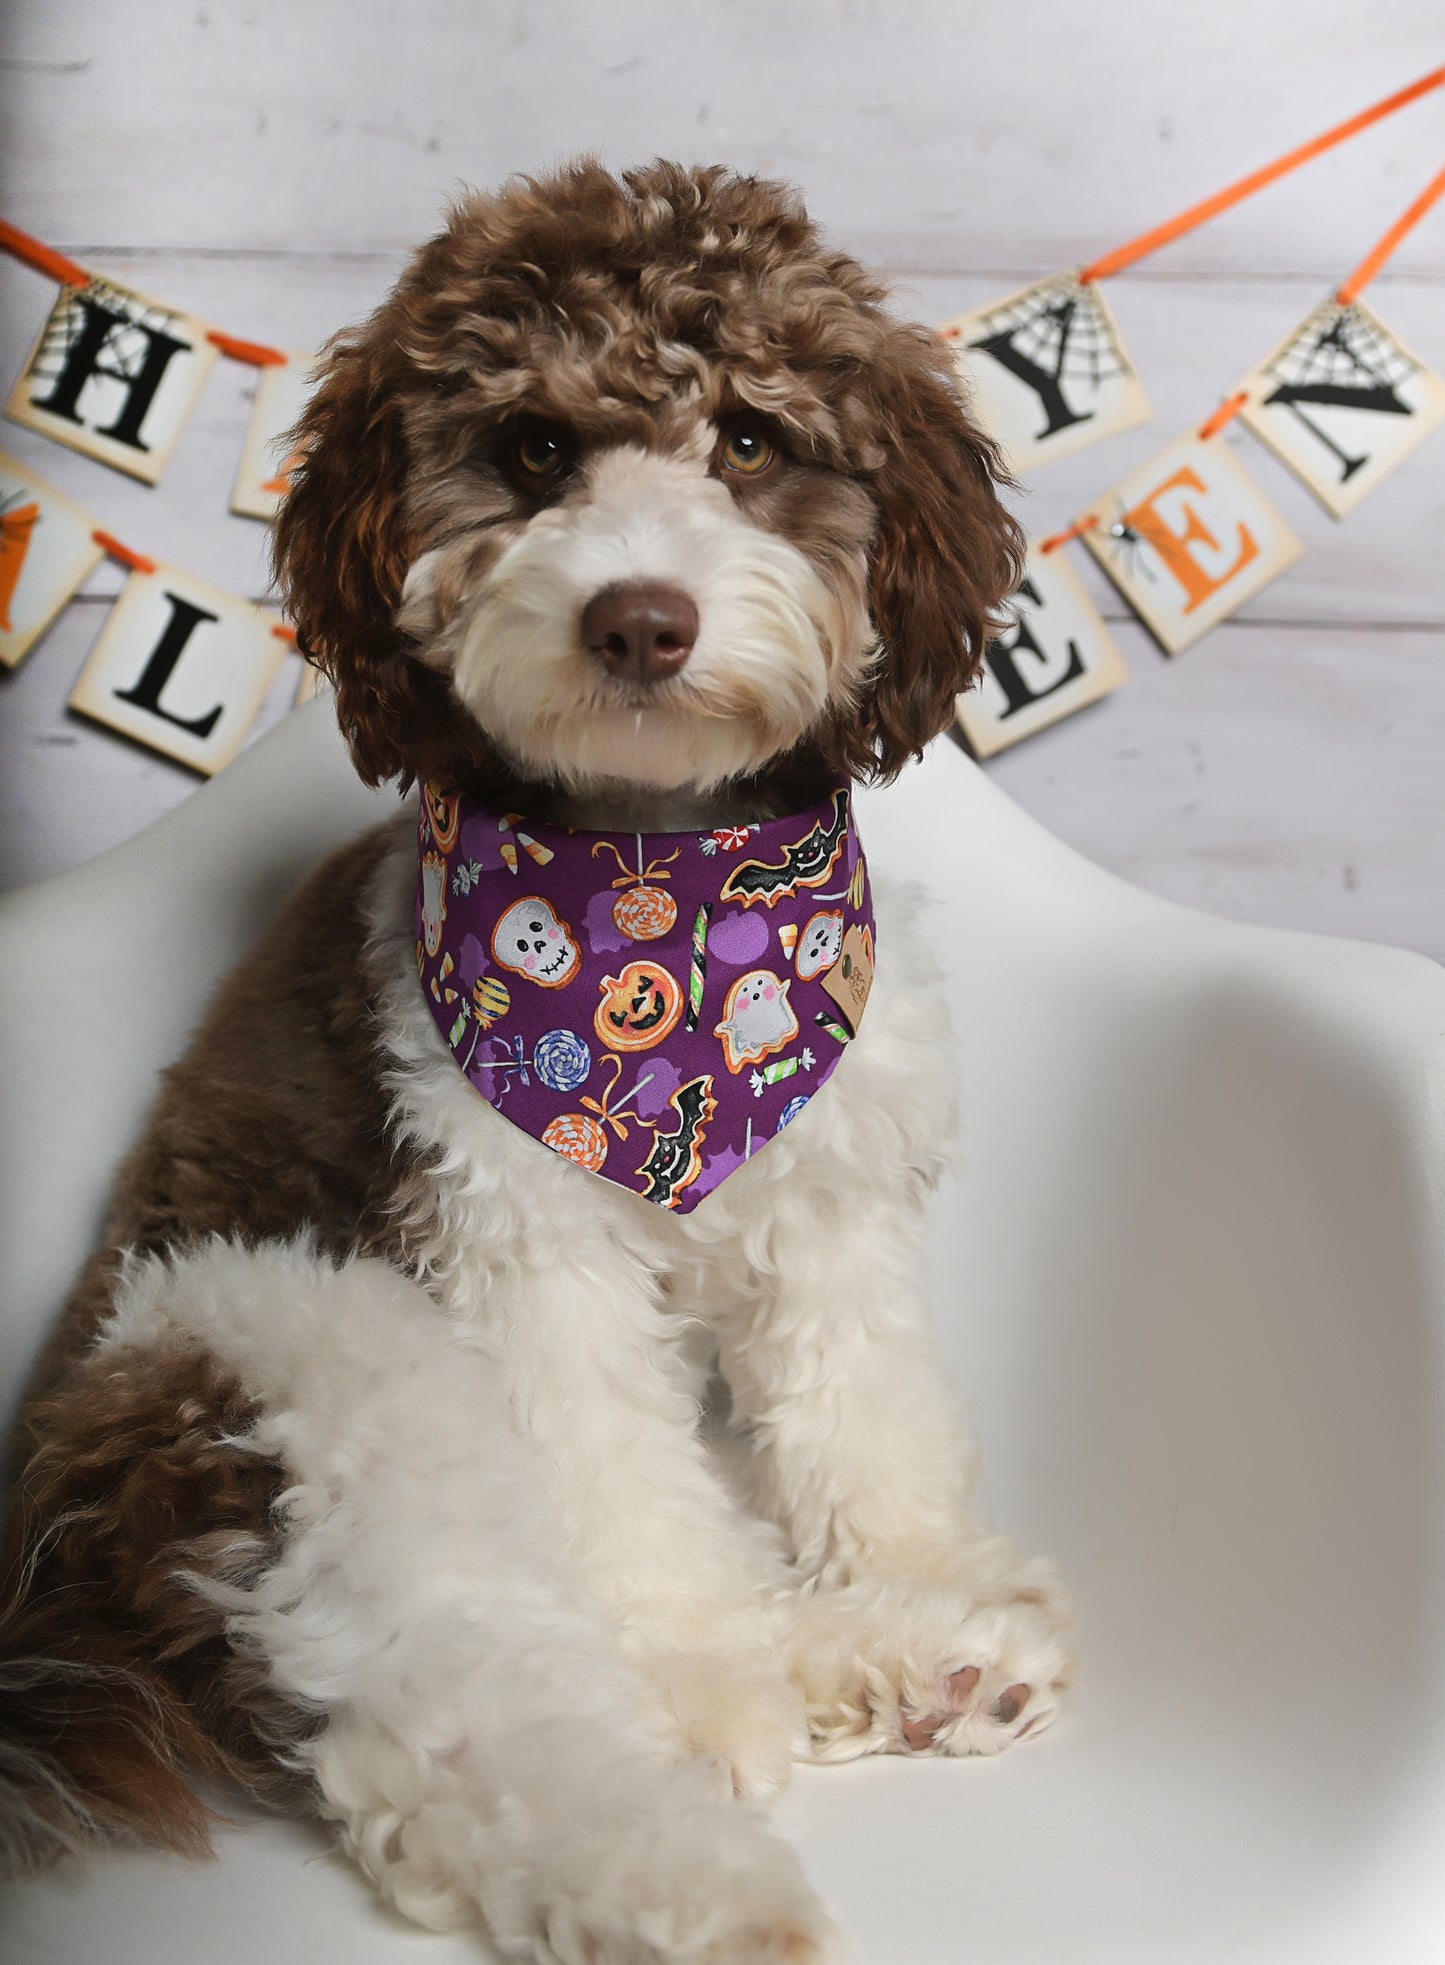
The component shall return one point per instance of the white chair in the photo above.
(1192, 1273)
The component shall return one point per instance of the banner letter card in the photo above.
(181, 667)
(115, 376)
(261, 477)
(1057, 658)
(46, 551)
(1341, 402)
(1188, 538)
(1046, 371)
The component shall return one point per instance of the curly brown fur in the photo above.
(624, 309)
(118, 1688)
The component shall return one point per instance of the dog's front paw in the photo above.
(936, 1666)
(738, 1707)
(672, 1878)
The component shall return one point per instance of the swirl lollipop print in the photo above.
(643, 913)
(583, 1139)
(561, 1060)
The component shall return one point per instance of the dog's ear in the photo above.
(946, 554)
(341, 554)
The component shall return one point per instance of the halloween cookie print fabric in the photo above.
(654, 1006)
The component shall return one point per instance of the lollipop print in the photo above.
(643, 913)
(582, 1139)
(491, 1000)
(561, 1060)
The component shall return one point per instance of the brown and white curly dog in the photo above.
(366, 1470)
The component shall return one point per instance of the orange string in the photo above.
(108, 543)
(1075, 531)
(1174, 228)
(43, 259)
(254, 352)
(1370, 265)
(1226, 413)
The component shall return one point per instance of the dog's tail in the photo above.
(118, 1688)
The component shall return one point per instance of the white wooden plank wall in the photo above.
(266, 163)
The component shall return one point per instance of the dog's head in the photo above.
(635, 481)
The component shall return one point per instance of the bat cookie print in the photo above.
(805, 863)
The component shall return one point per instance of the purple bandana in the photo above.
(653, 1006)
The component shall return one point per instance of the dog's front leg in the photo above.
(919, 1629)
(465, 1712)
(600, 1379)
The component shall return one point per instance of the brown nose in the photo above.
(642, 632)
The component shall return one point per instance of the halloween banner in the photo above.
(116, 375)
(1046, 368)
(1342, 401)
(1046, 371)
(180, 666)
(1186, 538)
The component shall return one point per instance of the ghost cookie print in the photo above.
(757, 1019)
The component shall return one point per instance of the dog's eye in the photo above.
(747, 451)
(541, 452)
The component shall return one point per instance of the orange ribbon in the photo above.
(1074, 531)
(254, 352)
(1373, 260)
(44, 259)
(1174, 228)
(1226, 413)
(127, 555)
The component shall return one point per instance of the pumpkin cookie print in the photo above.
(532, 941)
(639, 1006)
(444, 814)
